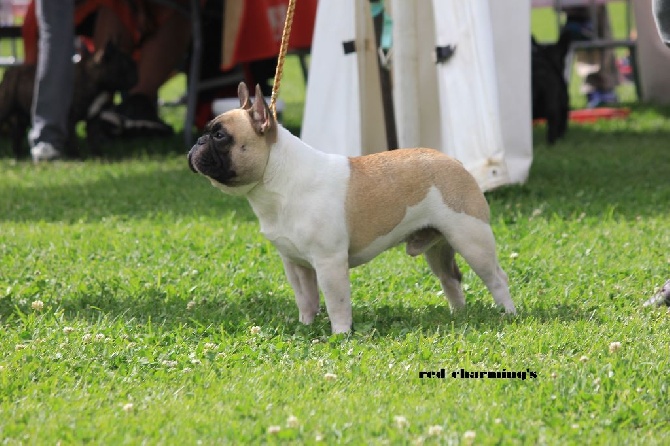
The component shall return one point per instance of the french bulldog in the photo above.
(327, 213)
(97, 77)
(550, 96)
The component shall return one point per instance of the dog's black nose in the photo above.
(202, 140)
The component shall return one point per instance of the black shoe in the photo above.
(137, 115)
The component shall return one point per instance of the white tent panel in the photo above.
(470, 121)
(332, 118)
(475, 106)
(340, 116)
(510, 25)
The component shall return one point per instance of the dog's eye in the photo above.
(219, 135)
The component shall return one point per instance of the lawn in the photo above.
(139, 305)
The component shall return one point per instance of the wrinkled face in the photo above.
(231, 152)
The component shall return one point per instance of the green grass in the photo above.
(151, 283)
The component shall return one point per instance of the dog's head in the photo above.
(235, 148)
(110, 68)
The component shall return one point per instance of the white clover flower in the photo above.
(128, 407)
(614, 346)
(68, 330)
(255, 330)
(37, 305)
(20, 346)
(469, 436)
(292, 421)
(400, 422)
(584, 358)
(190, 305)
(87, 337)
(514, 255)
(330, 377)
(274, 429)
(435, 430)
(210, 346)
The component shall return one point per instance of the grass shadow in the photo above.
(118, 191)
(236, 313)
(619, 172)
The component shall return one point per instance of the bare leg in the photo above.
(162, 52)
(108, 27)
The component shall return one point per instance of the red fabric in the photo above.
(30, 29)
(262, 23)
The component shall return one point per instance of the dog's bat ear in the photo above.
(243, 94)
(260, 113)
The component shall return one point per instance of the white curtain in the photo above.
(474, 106)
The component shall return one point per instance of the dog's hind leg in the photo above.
(440, 258)
(303, 282)
(477, 246)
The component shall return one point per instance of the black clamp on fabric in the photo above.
(444, 53)
(349, 46)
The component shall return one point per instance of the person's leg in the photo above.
(110, 27)
(54, 82)
(160, 54)
(661, 10)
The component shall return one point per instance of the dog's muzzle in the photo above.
(205, 159)
(199, 145)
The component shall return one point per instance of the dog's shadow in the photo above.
(277, 314)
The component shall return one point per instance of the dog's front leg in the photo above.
(303, 281)
(333, 279)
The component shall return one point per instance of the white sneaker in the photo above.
(43, 151)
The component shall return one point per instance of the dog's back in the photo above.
(383, 186)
